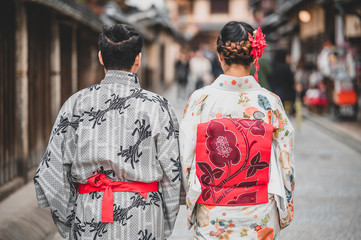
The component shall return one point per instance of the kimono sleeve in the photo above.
(187, 142)
(53, 185)
(283, 137)
(168, 156)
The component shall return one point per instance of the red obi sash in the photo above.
(100, 183)
(232, 161)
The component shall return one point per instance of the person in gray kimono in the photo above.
(111, 169)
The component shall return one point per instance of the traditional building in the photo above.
(201, 20)
(304, 26)
(48, 51)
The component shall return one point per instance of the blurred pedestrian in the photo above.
(282, 81)
(182, 72)
(324, 62)
(236, 146)
(212, 57)
(302, 74)
(111, 168)
(264, 73)
(200, 72)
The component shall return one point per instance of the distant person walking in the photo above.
(182, 72)
(264, 73)
(236, 145)
(200, 72)
(111, 168)
(282, 81)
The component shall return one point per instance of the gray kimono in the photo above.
(129, 134)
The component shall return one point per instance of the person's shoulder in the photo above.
(75, 97)
(156, 98)
(196, 101)
(201, 92)
(270, 95)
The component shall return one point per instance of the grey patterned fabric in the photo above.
(127, 133)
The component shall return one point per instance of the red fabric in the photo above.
(100, 183)
(316, 101)
(232, 161)
(345, 97)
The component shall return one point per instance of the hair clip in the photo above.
(258, 44)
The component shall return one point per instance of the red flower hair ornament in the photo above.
(258, 44)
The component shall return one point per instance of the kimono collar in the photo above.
(226, 82)
(121, 77)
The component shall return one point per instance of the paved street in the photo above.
(328, 187)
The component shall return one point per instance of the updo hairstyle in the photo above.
(233, 44)
(119, 45)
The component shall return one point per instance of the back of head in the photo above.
(233, 43)
(119, 46)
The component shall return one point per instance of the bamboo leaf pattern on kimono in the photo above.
(98, 228)
(55, 217)
(95, 195)
(36, 176)
(46, 158)
(94, 87)
(132, 152)
(121, 214)
(70, 218)
(171, 129)
(177, 169)
(73, 186)
(109, 172)
(116, 103)
(65, 123)
(78, 229)
(154, 198)
(145, 236)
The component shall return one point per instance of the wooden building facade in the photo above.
(40, 41)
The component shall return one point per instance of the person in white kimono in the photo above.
(111, 169)
(236, 145)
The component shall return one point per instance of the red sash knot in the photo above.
(232, 161)
(100, 183)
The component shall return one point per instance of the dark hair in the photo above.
(119, 45)
(233, 44)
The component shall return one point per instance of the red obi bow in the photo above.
(100, 183)
(232, 161)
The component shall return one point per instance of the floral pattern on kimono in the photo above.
(127, 133)
(231, 97)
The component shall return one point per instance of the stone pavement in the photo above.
(21, 219)
(328, 188)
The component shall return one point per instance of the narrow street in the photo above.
(328, 187)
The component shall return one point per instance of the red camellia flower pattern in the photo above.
(222, 145)
(258, 44)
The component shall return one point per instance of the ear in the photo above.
(138, 59)
(136, 64)
(220, 57)
(100, 57)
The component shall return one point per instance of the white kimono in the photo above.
(231, 97)
(130, 135)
